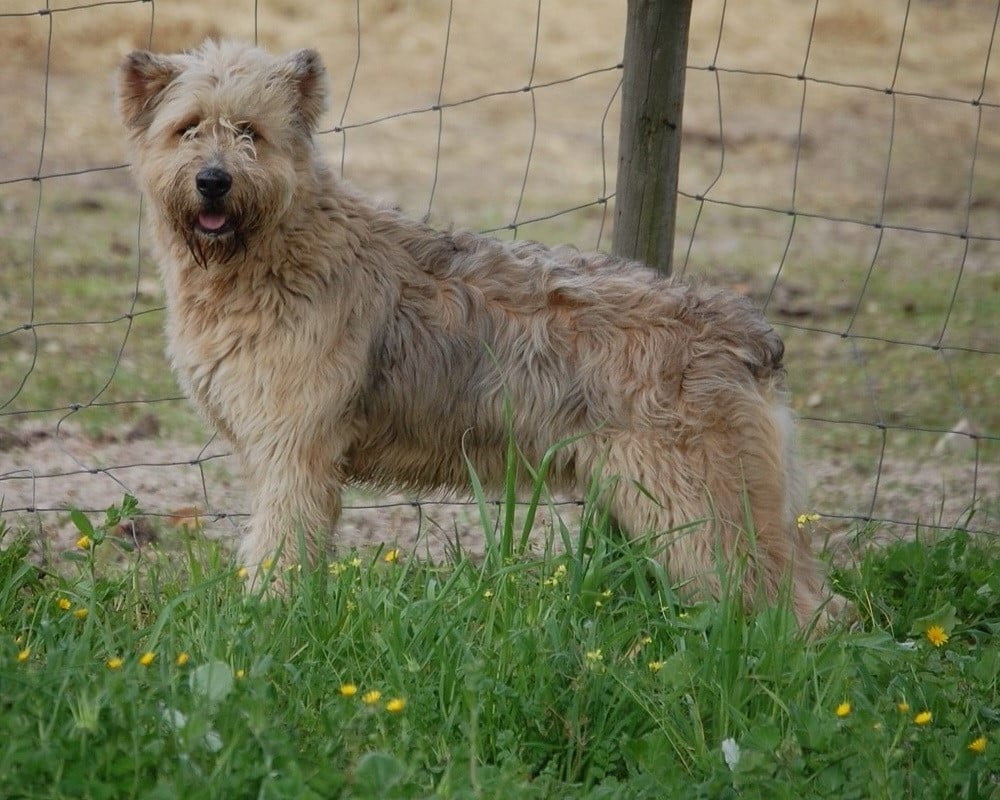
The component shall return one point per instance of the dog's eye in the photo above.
(247, 131)
(188, 128)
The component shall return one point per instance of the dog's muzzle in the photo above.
(213, 184)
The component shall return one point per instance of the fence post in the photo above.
(656, 37)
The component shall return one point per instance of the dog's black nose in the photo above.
(213, 183)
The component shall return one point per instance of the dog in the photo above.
(332, 339)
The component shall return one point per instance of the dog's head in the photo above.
(221, 138)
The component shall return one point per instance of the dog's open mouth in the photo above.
(213, 235)
(213, 223)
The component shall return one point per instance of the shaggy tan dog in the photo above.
(333, 339)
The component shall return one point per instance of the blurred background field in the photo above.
(877, 125)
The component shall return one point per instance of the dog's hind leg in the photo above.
(723, 494)
(752, 478)
(653, 490)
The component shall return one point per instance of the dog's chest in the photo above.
(231, 351)
(226, 361)
(254, 368)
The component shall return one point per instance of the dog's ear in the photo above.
(142, 76)
(305, 70)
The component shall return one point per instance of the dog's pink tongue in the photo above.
(211, 222)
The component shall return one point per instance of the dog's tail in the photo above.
(731, 323)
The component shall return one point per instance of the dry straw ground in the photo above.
(70, 250)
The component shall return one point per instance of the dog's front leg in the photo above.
(294, 475)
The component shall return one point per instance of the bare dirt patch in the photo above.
(181, 484)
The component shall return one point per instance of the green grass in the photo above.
(96, 307)
(571, 675)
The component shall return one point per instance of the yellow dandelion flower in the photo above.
(595, 656)
(114, 663)
(655, 666)
(978, 745)
(64, 603)
(84, 542)
(182, 659)
(936, 635)
(902, 707)
(372, 697)
(240, 674)
(391, 556)
(395, 705)
(843, 709)
(266, 564)
(242, 573)
(24, 655)
(488, 594)
(348, 690)
(355, 562)
(923, 718)
(802, 519)
(646, 640)
(81, 613)
(147, 658)
(336, 568)
(557, 575)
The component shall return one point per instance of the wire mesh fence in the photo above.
(839, 163)
(883, 183)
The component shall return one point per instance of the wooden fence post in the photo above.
(656, 37)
